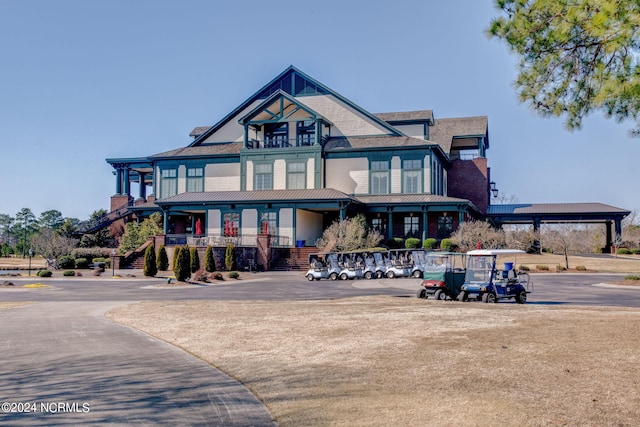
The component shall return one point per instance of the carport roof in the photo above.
(555, 212)
(325, 194)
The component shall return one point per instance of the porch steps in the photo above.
(293, 259)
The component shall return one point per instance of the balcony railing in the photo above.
(244, 240)
(280, 143)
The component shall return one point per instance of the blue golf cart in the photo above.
(485, 280)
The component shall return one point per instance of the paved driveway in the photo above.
(64, 363)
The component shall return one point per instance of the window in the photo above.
(231, 224)
(379, 177)
(168, 183)
(445, 227)
(379, 225)
(263, 176)
(195, 180)
(411, 176)
(296, 176)
(411, 226)
(305, 133)
(269, 223)
(276, 135)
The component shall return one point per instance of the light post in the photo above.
(113, 263)
(30, 256)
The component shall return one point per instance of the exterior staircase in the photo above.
(293, 259)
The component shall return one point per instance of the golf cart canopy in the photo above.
(496, 252)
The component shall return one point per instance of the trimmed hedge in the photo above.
(412, 243)
(44, 273)
(430, 243)
(68, 273)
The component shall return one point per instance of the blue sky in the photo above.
(83, 81)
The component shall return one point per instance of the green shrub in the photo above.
(162, 260)
(429, 243)
(195, 259)
(523, 268)
(44, 273)
(107, 261)
(82, 263)
(635, 251)
(632, 277)
(68, 273)
(233, 275)
(560, 267)
(446, 244)
(209, 260)
(581, 268)
(412, 243)
(542, 267)
(624, 251)
(230, 257)
(150, 267)
(66, 261)
(182, 259)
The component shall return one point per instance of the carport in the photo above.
(557, 213)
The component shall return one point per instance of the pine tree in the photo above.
(230, 257)
(162, 260)
(209, 261)
(195, 260)
(150, 267)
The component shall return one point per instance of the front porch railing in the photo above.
(244, 240)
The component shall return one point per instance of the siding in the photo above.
(232, 130)
(249, 222)
(214, 221)
(308, 226)
(396, 175)
(427, 175)
(351, 176)
(285, 226)
(249, 178)
(311, 177)
(279, 174)
(415, 130)
(222, 177)
(182, 179)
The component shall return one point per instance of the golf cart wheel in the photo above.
(462, 296)
(344, 276)
(489, 297)
(310, 277)
(390, 275)
(521, 297)
(439, 295)
(417, 274)
(333, 276)
(368, 275)
(422, 293)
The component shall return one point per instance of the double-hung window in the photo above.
(412, 176)
(276, 135)
(306, 133)
(195, 180)
(379, 177)
(168, 183)
(263, 176)
(296, 176)
(269, 223)
(411, 226)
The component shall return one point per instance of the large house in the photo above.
(296, 156)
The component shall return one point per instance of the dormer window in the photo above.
(305, 133)
(276, 135)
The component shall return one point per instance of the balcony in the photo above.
(280, 143)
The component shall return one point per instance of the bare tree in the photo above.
(348, 235)
(51, 245)
(471, 233)
(565, 239)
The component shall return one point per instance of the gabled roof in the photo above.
(286, 106)
(288, 81)
(407, 116)
(553, 208)
(444, 131)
